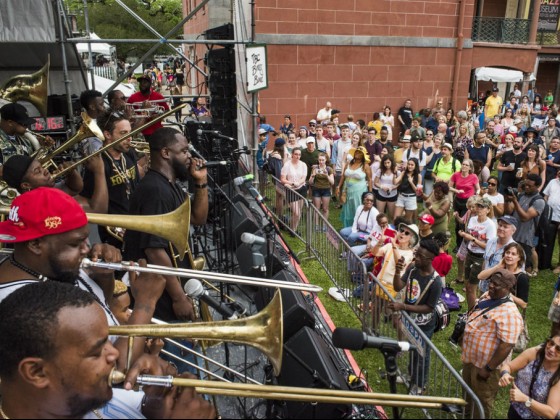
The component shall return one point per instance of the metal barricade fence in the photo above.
(431, 375)
(425, 370)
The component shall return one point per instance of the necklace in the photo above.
(97, 413)
(27, 270)
(122, 172)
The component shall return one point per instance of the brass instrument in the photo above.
(137, 111)
(89, 128)
(129, 135)
(301, 394)
(28, 87)
(141, 146)
(7, 194)
(264, 331)
(186, 272)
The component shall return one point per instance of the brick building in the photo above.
(363, 54)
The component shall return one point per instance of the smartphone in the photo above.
(485, 185)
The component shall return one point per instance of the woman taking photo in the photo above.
(386, 193)
(409, 184)
(355, 180)
(294, 176)
(376, 165)
(535, 392)
(322, 180)
(463, 184)
(492, 194)
(532, 165)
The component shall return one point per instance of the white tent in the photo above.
(100, 48)
(500, 75)
(102, 84)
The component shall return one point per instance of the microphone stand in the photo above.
(390, 355)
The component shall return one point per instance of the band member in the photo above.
(49, 232)
(117, 100)
(142, 100)
(159, 193)
(120, 168)
(15, 122)
(93, 105)
(57, 361)
(25, 173)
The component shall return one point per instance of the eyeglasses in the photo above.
(406, 232)
(551, 343)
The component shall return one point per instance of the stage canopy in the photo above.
(500, 75)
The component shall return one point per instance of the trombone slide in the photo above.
(183, 272)
(301, 394)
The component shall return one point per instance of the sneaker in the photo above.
(403, 378)
(415, 390)
(336, 294)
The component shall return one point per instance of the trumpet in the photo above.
(185, 272)
(153, 109)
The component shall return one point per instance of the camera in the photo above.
(458, 330)
(512, 191)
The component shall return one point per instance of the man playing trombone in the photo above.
(56, 361)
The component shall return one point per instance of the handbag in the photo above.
(450, 298)
(523, 339)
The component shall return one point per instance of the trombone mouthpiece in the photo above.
(116, 377)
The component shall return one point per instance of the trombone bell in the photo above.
(264, 331)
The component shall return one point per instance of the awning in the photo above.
(101, 48)
(500, 75)
(102, 84)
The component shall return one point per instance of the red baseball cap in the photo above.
(41, 212)
(427, 218)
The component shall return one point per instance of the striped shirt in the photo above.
(483, 334)
(123, 405)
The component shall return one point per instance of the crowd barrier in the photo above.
(426, 370)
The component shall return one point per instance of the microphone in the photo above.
(212, 164)
(240, 180)
(250, 239)
(195, 152)
(213, 133)
(353, 339)
(194, 289)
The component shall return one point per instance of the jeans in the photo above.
(353, 238)
(419, 366)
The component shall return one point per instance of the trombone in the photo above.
(108, 146)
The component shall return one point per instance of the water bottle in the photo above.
(549, 157)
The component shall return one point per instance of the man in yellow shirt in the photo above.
(493, 104)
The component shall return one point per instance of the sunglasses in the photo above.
(493, 184)
(122, 98)
(114, 116)
(406, 232)
(429, 134)
(551, 343)
(312, 125)
(368, 199)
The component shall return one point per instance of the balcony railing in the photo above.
(548, 38)
(500, 30)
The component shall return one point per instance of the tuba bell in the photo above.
(28, 87)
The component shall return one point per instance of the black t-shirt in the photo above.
(551, 170)
(508, 177)
(415, 285)
(522, 286)
(155, 194)
(310, 159)
(406, 115)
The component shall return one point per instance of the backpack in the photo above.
(543, 224)
(453, 164)
(450, 298)
(419, 157)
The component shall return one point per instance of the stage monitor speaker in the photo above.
(275, 261)
(220, 32)
(297, 312)
(307, 363)
(242, 220)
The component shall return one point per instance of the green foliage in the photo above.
(540, 296)
(110, 21)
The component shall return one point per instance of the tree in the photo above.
(110, 21)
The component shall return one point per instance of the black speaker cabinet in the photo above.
(307, 363)
(297, 312)
(275, 260)
(242, 220)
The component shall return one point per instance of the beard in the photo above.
(181, 170)
(63, 275)
(79, 406)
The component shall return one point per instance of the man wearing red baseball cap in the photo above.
(49, 232)
(426, 223)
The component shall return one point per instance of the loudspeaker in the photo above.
(220, 32)
(297, 313)
(274, 261)
(307, 363)
(242, 220)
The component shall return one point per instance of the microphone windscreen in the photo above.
(348, 338)
(193, 288)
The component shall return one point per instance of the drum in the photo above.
(442, 315)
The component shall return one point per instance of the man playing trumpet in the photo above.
(144, 99)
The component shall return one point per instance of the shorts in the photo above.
(409, 203)
(379, 197)
(473, 267)
(321, 192)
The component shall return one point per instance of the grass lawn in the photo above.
(540, 296)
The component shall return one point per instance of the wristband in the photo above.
(504, 372)
(200, 186)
